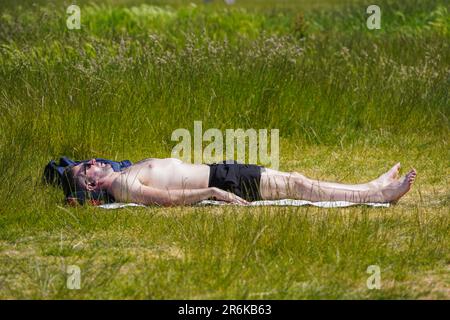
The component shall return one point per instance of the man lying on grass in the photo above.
(172, 182)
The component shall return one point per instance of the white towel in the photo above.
(284, 202)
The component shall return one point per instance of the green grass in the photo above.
(349, 102)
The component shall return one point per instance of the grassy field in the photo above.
(349, 103)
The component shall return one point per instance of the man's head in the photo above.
(86, 176)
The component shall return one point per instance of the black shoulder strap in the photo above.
(51, 175)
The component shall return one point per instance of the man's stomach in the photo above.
(172, 174)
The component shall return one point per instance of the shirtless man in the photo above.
(172, 182)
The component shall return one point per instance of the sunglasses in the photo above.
(86, 166)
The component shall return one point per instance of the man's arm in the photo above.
(140, 193)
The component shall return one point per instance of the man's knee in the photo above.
(299, 180)
(298, 177)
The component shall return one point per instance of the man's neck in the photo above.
(106, 182)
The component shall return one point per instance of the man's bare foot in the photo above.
(387, 178)
(397, 189)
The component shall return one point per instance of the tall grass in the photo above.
(346, 100)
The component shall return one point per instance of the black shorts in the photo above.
(241, 179)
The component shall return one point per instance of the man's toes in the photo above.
(412, 176)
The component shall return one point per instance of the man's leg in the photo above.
(283, 185)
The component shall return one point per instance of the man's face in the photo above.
(91, 172)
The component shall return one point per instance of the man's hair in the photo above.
(69, 182)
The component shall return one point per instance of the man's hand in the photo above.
(229, 197)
